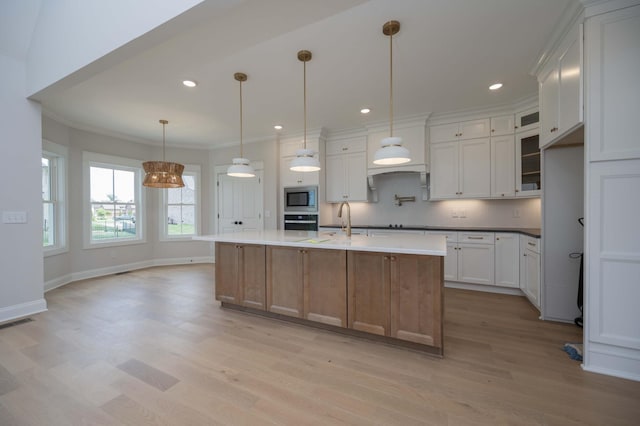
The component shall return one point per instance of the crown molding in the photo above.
(573, 13)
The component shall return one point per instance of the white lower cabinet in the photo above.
(507, 262)
(470, 257)
(476, 252)
(530, 269)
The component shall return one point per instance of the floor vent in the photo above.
(11, 324)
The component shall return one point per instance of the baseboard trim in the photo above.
(57, 282)
(21, 310)
(110, 270)
(484, 288)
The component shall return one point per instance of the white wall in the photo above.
(479, 213)
(21, 290)
(80, 262)
(70, 35)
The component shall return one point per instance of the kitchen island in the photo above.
(386, 288)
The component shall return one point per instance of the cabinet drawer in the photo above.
(476, 237)
(529, 243)
(344, 146)
(452, 237)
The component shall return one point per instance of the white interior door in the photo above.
(240, 206)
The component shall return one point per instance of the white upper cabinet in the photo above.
(503, 167)
(461, 169)
(561, 89)
(503, 125)
(527, 120)
(460, 131)
(346, 170)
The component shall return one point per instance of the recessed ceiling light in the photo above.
(365, 111)
(189, 83)
(495, 86)
(277, 127)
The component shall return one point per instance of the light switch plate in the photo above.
(14, 217)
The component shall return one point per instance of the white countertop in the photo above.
(433, 245)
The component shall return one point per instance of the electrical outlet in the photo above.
(463, 213)
(516, 212)
(454, 213)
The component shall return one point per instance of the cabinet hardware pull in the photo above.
(345, 148)
(493, 130)
(525, 254)
(476, 238)
(531, 244)
(393, 258)
(517, 190)
(498, 238)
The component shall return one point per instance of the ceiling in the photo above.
(445, 56)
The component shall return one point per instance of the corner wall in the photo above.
(21, 288)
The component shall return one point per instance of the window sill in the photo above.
(54, 251)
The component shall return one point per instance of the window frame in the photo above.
(92, 159)
(190, 170)
(58, 159)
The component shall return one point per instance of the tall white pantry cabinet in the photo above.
(612, 188)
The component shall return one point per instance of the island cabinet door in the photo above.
(227, 273)
(285, 290)
(416, 298)
(368, 292)
(325, 286)
(252, 282)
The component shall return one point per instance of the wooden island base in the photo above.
(430, 350)
(390, 297)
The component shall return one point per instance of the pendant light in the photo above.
(391, 152)
(163, 174)
(241, 166)
(305, 160)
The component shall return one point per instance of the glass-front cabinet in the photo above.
(528, 175)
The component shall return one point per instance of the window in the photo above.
(180, 207)
(54, 239)
(114, 193)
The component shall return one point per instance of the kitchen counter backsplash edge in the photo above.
(531, 232)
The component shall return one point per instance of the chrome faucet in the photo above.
(348, 217)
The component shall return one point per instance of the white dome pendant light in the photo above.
(391, 152)
(305, 160)
(241, 166)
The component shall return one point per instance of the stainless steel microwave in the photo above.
(301, 199)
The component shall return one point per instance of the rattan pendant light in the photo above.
(391, 152)
(163, 174)
(241, 166)
(305, 160)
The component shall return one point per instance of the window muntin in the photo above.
(114, 200)
(48, 202)
(180, 207)
(54, 201)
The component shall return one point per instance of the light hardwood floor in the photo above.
(153, 347)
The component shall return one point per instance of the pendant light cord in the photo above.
(391, 85)
(241, 153)
(163, 157)
(304, 82)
